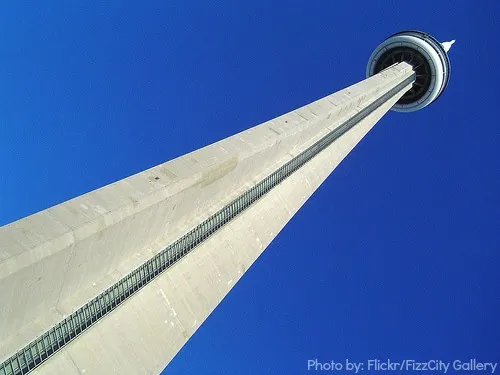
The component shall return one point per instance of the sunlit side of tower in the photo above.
(116, 281)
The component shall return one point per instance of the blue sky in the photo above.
(395, 256)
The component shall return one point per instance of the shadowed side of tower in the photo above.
(117, 280)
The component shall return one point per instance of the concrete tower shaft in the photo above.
(117, 280)
(149, 257)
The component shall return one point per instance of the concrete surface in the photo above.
(52, 262)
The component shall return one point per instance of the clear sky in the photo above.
(397, 254)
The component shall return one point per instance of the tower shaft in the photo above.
(201, 219)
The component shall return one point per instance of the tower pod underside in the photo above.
(429, 60)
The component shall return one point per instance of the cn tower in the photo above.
(117, 280)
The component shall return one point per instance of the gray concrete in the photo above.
(53, 262)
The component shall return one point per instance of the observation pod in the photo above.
(430, 62)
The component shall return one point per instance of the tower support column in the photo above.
(58, 260)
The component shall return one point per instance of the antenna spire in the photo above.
(447, 45)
